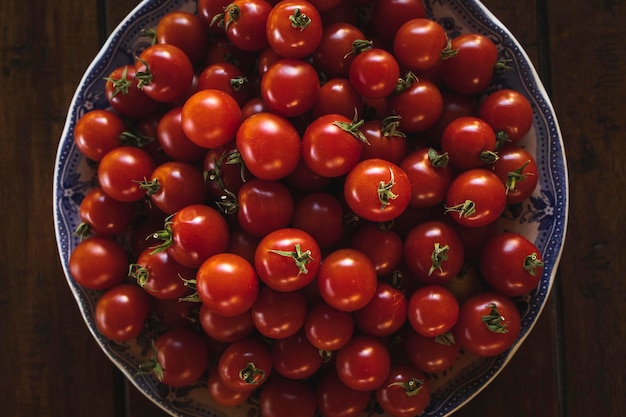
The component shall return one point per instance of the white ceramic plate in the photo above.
(542, 218)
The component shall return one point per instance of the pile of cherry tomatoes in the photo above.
(306, 195)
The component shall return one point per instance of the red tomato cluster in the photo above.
(319, 191)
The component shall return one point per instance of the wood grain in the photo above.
(571, 364)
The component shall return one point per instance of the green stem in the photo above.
(494, 320)
(465, 209)
(300, 258)
(531, 263)
(439, 255)
(412, 387)
(299, 20)
(385, 193)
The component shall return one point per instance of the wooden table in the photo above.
(571, 365)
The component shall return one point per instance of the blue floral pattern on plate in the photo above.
(542, 218)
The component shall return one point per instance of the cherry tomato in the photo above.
(320, 214)
(418, 105)
(385, 314)
(432, 310)
(222, 394)
(284, 397)
(489, 324)
(336, 399)
(269, 145)
(287, 259)
(517, 169)
(278, 314)
(333, 55)
(97, 132)
(469, 142)
(327, 328)
(160, 275)
(121, 171)
(347, 279)
(454, 106)
(224, 171)
(227, 284)
(433, 251)
(374, 73)
(430, 176)
(164, 71)
(295, 357)
(173, 140)
(225, 329)
(264, 206)
(181, 357)
(226, 77)
(121, 312)
(385, 140)
(383, 247)
(430, 354)
(245, 365)
(214, 131)
(98, 263)
(508, 112)
(377, 190)
(290, 87)
(405, 393)
(294, 28)
(476, 197)
(125, 97)
(419, 43)
(511, 264)
(103, 215)
(363, 363)
(389, 15)
(207, 12)
(186, 31)
(337, 96)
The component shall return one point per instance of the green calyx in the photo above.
(513, 177)
(299, 20)
(494, 320)
(300, 258)
(251, 375)
(385, 193)
(465, 209)
(439, 255)
(352, 127)
(531, 263)
(412, 387)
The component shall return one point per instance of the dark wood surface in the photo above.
(573, 362)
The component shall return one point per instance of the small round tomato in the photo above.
(227, 284)
(97, 132)
(377, 190)
(269, 145)
(284, 397)
(384, 140)
(511, 264)
(295, 357)
(185, 30)
(469, 142)
(405, 392)
(419, 44)
(363, 363)
(517, 169)
(333, 54)
(430, 354)
(509, 113)
(432, 310)
(245, 22)
(294, 28)
(471, 69)
(181, 356)
(320, 214)
(327, 328)
(278, 314)
(214, 131)
(290, 87)
(488, 324)
(103, 215)
(430, 176)
(245, 365)
(385, 314)
(98, 263)
(222, 394)
(476, 197)
(173, 140)
(337, 96)
(121, 171)
(160, 275)
(224, 171)
(164, 71)
(226, 77)
(336, 399)
(121, 312)
(287, 259)
(125, 97)
(383, 247)
(389, 15)
(347, 279)
(264, 206)
(225, 329)
(433, 251)
(418, 105)
(374, 73)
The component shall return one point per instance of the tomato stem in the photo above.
(239, 83)
(512, 177)
(502, 138)
(448, 52)
(439, 255)
(446, 338)
(389, 127)
(151, 187)
(465, 209)
(251, 374)
(300, 258)
(151, 365)
(139, 273)
(353, 126)
(488, 157)
(405, 83)
(299, 20)
(358, 46)
(531, 263)
(494, 320)
(165, 235)
(144, 77)
(120, 85)
(384, 191)
(82, 231)
(412, 387)
(438, 160)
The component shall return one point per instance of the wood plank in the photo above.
(50, 361)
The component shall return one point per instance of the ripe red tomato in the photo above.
(173, 140)
(476, 197)
(405, 392)
(264, 206)
(244, 22)
(287, 259)
(165, 72)
(226, 329)
(125, 97)
(374, 73)
(245, 365)
(214, 131)
(383, 247)
(295, 357)
(511, 264)
(337, 96)
(121, 171)
(518, 171)
(334, 52)
(284, 397)
(98, 263)
(278, 314)
(226, 77)
(222, 394)
(320, 214)
(418, 105)
(509, 113)
(269, 145)
(290, 87)
(469, 143)
(489, 324)
(432, 310)
(385, 314)
(419, 44)
(186, 31)
(385, 140)
(181, 357)
(294, 28)
(433, 251)
(389, 15)
(347, 279)
(327, 328)
(103, 215)
(430, 176)
(429, 354)
(377, 190)
(121, 312)
(336, 399)
(363, 363)
(227, 284)
(160, 275)
(97, 132)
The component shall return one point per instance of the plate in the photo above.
(542, 218)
